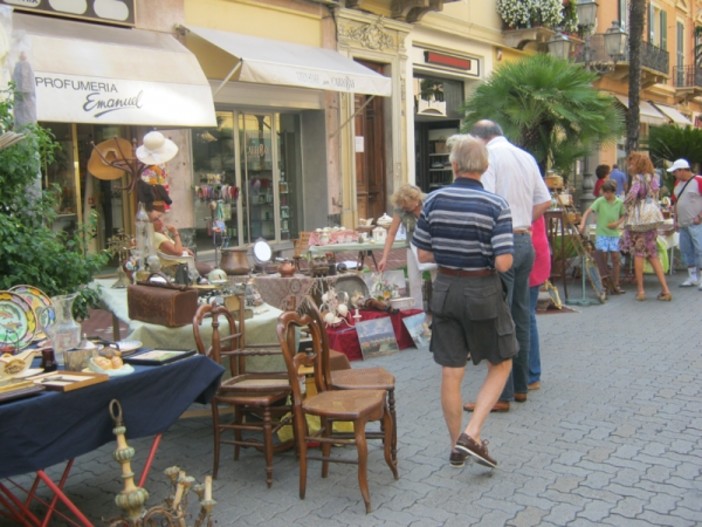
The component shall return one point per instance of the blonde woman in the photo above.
(407, 203)
(642, 245)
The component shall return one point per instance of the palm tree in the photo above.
(637, 16)
(548, 107)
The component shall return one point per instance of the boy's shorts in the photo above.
(607, 244)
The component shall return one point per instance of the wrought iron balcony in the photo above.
(654, 60)
(687, 81)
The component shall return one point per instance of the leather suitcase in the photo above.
(164, 304)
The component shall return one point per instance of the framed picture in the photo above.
(419, 330)
(67, 381)
(376, 337)
(155, 357)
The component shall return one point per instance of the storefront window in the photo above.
(246, 170)
(80, 191)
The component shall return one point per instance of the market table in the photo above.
(344, 338)
(55, 427)
(260, 329)
(362, 248)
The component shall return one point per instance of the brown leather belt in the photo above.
(522, 231)
(466, 272)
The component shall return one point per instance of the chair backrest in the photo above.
(309, 308)
(222, 346)
(289, 325)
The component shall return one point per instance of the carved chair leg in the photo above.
(393, 416)
(326, 425)
(359, 428)
(390, 459)
(238, 420)
(301, 429)
(217, 435)
(268, 444)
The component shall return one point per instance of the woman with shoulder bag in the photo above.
(641, 225)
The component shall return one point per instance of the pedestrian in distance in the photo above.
(687, 198)
(467, 232)
(514, 175)
(619, 178)
(610, 213)
(540, 272)
(602, 174)
(642, 244)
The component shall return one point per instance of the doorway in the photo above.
(370, 159)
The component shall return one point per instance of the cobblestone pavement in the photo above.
(613, 438)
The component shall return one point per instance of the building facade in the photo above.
(297, 114)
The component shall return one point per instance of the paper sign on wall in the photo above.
(360, 144)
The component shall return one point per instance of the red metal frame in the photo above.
(19, 510)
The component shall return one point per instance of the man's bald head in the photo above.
(486, 130)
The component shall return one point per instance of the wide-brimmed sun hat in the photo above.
(156, 149)
(678, 164)
(108, 156)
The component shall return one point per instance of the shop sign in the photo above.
(458, 64)
(81, 99)
(112, 11)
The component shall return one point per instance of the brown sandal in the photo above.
(616, 290)
(665, 297)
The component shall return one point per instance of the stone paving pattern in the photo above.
(613, 438)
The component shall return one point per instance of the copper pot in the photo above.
(286, 269)
(235, 261)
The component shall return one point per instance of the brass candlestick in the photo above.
(174, 510)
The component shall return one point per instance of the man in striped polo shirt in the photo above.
(467, 231)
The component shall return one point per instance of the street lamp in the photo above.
(587, 13)
(615, 38)
(615, 41)
(559, 46)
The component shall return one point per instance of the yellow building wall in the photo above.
(297, 22)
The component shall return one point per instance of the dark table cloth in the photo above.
(52, 427)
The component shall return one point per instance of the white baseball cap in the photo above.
(679, 163)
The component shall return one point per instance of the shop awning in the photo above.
(86, 73)
(647, 112)
(267, 61)
(673, 114)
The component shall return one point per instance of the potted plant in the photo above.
(520, 14)
(33, 252)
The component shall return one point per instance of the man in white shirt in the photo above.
(514, 174)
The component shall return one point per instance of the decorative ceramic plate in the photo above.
(37, 298)
(125, 346)
(18, 324)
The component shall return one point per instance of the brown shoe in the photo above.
(500, 406)
(536, 385)
(520, 397)
(477, 450)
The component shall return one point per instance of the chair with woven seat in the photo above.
(375, 378)
(357, 406)
(259, 400)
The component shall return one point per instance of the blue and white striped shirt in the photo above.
(465, 226)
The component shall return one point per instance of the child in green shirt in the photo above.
(609, 210)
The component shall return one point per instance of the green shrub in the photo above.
(31, 251)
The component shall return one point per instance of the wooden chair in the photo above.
(357, 406)
(258, 399)
(376, 378)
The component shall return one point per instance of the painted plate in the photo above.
(18, 324)
(37, 299)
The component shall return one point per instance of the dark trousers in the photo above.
(517, 283)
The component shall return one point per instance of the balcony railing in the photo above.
(652, 57)
(687, 77)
